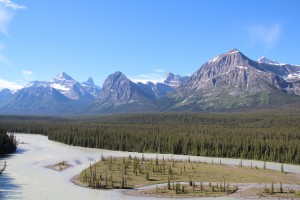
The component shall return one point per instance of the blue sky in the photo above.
(144, 39)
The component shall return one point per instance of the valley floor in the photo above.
(186, 178)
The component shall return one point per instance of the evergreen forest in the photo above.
(8, 143)
(268, 136)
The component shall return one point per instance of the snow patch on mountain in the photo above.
(62, 76)
(67, 86)
(265, 60)
(214, 59)
(59, 87)
(293, 76)
(233, 51)
(242, 67)
(217, 58)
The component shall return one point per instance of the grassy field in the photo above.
(219, 179)
(286, 193)
(191, 189)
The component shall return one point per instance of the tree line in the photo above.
(268, 137)
(8, 143)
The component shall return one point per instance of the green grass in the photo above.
(133, 172)
(196, 190)
(285, 193)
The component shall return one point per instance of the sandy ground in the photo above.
(76, 181)
(59, 166)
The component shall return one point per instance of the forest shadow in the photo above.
(8, 189)
(20, 151)
(9, 155)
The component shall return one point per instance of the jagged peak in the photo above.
(174, 79)
(90, 81)
(266, 60)
(169, 75)
(119, 75)
(229, 53)
(6, 91)
(115, 77)
(37, 84)
(233, 51)
(62, 76)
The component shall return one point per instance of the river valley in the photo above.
(27, 177)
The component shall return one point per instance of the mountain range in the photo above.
(64, 95)
(230, 81)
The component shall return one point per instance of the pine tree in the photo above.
(280, 189)
(272, 188)
(147, 176)
(201, 186)
(106, 181)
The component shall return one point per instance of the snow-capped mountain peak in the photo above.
(265, 60)
(67, 86)
(90, 87)
(63, 83)
(231, 52)
(174, 80)
(37, 84)
(60, 87)
(63, 76)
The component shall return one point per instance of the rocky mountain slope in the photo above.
(119, 94)
(233, 81)
(161, 89)
(230, 81)
(62, 95)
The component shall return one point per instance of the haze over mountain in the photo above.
(227, 82)
(62, 95)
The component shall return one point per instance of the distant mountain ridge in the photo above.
(232, 81)
(227, 82)
(62, 95)
(161, 89)
(119, 94)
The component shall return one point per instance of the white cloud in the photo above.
(5, 18)
(158, 76)
(6, 15)
(9, 85)
(160, 70)
(26, 72)
(265, 35)
(12, 5)
(27, 75)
